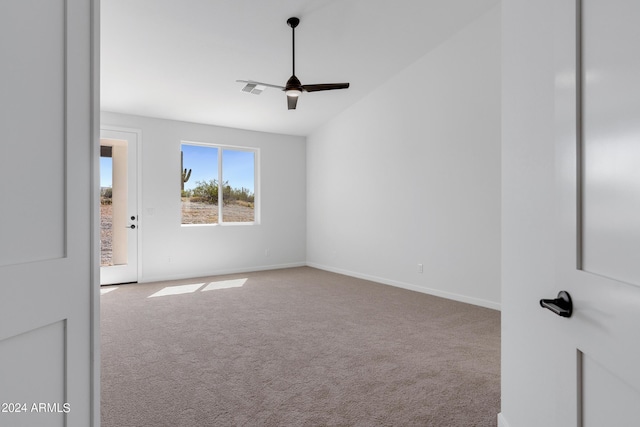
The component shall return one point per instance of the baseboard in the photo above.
(501, 421)
(218, 272)
(424, 290)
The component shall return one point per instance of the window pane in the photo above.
(199, 184)
(106, 211)
(238, 177)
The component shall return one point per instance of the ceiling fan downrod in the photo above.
(293, 23)
(293, 88)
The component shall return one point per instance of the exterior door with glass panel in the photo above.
(119, 223)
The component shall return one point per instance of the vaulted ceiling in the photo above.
(180, 59)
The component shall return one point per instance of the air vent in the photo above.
(254, 88)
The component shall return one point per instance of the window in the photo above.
(106, 206)
(217, 184)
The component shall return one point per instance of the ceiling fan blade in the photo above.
(325, 86)
(292, 101)
(260, 83)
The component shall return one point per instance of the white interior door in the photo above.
(599, 198)
(119, 222)
(49, 360)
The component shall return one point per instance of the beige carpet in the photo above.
(295, 347)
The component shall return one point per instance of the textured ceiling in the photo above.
(180, 59)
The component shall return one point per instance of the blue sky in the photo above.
(238, 167)
(203, 162)
(106, 173)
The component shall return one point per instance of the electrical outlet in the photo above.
(420, 268)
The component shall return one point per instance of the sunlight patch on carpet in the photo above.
(106, 290)
(177, 290)
(191, 288)
(225, 284)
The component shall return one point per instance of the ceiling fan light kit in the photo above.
(293, 88)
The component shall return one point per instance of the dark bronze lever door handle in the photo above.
(562, 306)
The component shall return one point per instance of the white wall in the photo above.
(411, 174)
(171, 251)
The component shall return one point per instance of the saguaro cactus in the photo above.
(185, 175)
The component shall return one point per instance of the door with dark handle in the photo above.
(562, 306)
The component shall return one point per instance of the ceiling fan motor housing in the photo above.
(293, 84)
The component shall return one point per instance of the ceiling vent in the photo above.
(254, 88)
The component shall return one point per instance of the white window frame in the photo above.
(256, 183)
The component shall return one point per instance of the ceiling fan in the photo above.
(293, 87)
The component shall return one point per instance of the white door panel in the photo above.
(607, 399)
(611, 118)
(48, 265)
(42, 350)
(32, 89)
(598, 142)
